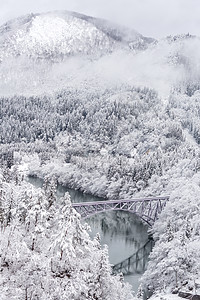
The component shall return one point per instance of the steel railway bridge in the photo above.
(148, 209)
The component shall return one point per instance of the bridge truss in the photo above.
(147, 209)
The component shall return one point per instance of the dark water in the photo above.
(76, 196)
(122, 232)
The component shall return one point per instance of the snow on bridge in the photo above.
(147, 209)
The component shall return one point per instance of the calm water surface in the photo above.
(122, 232)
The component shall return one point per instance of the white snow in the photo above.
(166, 296)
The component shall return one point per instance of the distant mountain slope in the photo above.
(58, 34)
(91, 52)
(102, 116)
(118, 33)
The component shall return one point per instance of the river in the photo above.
(123, 232)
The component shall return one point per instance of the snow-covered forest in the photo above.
(107, 111)
(46, 253)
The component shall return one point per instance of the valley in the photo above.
(105, 111)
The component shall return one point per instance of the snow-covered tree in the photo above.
(51, 256)
(174, 262)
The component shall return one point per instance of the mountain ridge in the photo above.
(62, 33)
(41, 53)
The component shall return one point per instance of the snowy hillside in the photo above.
(59, 34)
(111, 113)
(75, 50)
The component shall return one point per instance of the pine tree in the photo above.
(46, 253)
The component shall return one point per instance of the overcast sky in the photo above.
(156, 18)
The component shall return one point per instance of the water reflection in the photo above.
(76, 196)
(123, 232)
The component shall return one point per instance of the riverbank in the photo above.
(123, 233)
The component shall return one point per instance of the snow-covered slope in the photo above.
(90, 52)
(122, 125)
(58, 34)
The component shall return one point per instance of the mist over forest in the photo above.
(102, 109)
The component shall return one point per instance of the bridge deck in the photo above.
(147, 209)
(120, 201)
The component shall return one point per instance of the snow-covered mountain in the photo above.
(112, 113)
(41, 53)
(58, 34)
